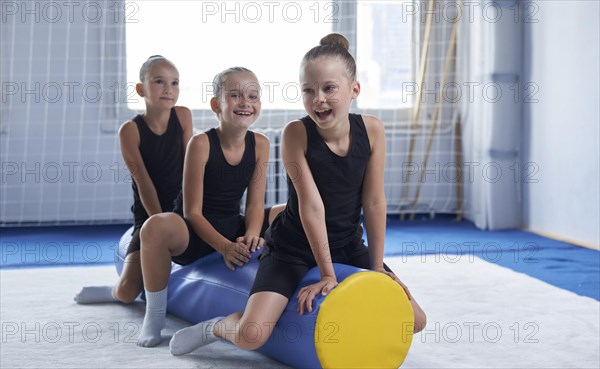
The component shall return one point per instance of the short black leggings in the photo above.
(283, 277)
(196, 248)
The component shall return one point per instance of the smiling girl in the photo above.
(153, 146)
(220, 164)
(335, 162)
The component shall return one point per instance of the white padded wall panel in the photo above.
(501, 120)
(505, 119)
(504, 38)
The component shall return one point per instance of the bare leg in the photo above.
(252, 329)
(275, 210)
(130, 283)
(420, 317)
(162, 236)
(126, 290)
(248, 331)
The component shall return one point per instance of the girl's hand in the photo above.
(235, 253)
(395, 278)
(308, 293)
(251, 242)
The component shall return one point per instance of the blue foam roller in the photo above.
(207, 288)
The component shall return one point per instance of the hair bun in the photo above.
(335, 39)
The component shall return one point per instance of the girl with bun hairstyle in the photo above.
(335, 167)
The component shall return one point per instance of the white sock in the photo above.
(154, 320)
(188, 339)
(95, 294)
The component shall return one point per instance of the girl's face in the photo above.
(160, 88)
(327, 91)
(239, 103)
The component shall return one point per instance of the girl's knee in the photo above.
(250, 345)
(159, 228)
(252, 336)
(126, 292)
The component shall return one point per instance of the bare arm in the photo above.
(185, 120)
(255, 199)
(129, 139)
(193, 194)
(373, 196)
(312, 211)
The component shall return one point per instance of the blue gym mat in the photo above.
(59, 246)
(558, 263)
(561, 264)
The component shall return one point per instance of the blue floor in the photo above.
(59, 246)
(566, 266)
(558, 263)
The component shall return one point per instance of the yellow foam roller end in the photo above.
(365, 322)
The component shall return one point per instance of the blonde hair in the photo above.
(334, 44)
(221, 78)
(148, 63)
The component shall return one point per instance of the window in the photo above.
(204, 37)
(271, 37)
(384, 53)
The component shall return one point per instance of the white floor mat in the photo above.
(479, 316)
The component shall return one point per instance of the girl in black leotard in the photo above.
(220, 164)
(153, 146)
(335, 166)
